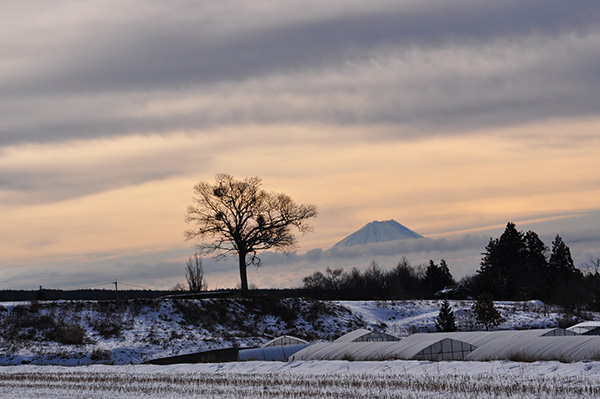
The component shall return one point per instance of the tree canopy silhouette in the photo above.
(517, 266)
(237, 216)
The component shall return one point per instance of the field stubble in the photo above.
(123, 382)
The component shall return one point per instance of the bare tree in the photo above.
(194, 274)
(237, 216)
(179, 287)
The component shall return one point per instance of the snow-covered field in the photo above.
(132, 332)
(136, 331)
(140, 330)
(334, 379)
(402, 318)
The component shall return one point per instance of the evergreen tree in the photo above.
(501, 266)
(446, 276)
(514, 266)
(437, 277)
(485, 311)
(566, 281)
(534, 283)
(561, 263)
(445, 321)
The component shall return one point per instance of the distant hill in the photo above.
(388, 230)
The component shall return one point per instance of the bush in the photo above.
(66, 335)
(108, 327)
(100, 355)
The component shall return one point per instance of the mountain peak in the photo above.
(376, 231)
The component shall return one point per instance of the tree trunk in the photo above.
(243, 275)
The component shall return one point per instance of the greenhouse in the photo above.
(278, 349)
(285, 340)
(442, 349)
(564, 349)
(546, 344)
(480, 338)
(362, 335)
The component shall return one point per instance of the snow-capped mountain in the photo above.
(388, 230)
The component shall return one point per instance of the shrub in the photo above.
(108, 327)
(100, 355)
(66, 335)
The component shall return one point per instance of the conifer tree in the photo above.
(485, 311)
(561, 262)
(437, 277)
(445, 321)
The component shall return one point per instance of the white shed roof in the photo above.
(584, 327)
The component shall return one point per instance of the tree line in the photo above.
(515, 266)
(519, 266)
(237, 217)
(404, 281)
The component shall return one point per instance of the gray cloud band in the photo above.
(454, 70)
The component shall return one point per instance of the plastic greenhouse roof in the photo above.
(285, 340)
(565, 348)
(442, 349)
(362, 335)
(480, 338)
(270, 353)
(456, 346)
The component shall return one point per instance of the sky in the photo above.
(451, 118)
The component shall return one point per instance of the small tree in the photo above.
(179, 287)
(437, 277)
(445, 321)
(194, 274)
(374, 280)
(485, 311)
(237, 216)
(332, 280)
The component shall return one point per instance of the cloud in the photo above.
(448, 117)
(35, 174)
(93, 73)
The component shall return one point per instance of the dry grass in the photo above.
(69, 384)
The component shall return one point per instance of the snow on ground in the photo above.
(163, 328)
(139, 330)
(401, 318)
(332, 379)
(136, 331)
